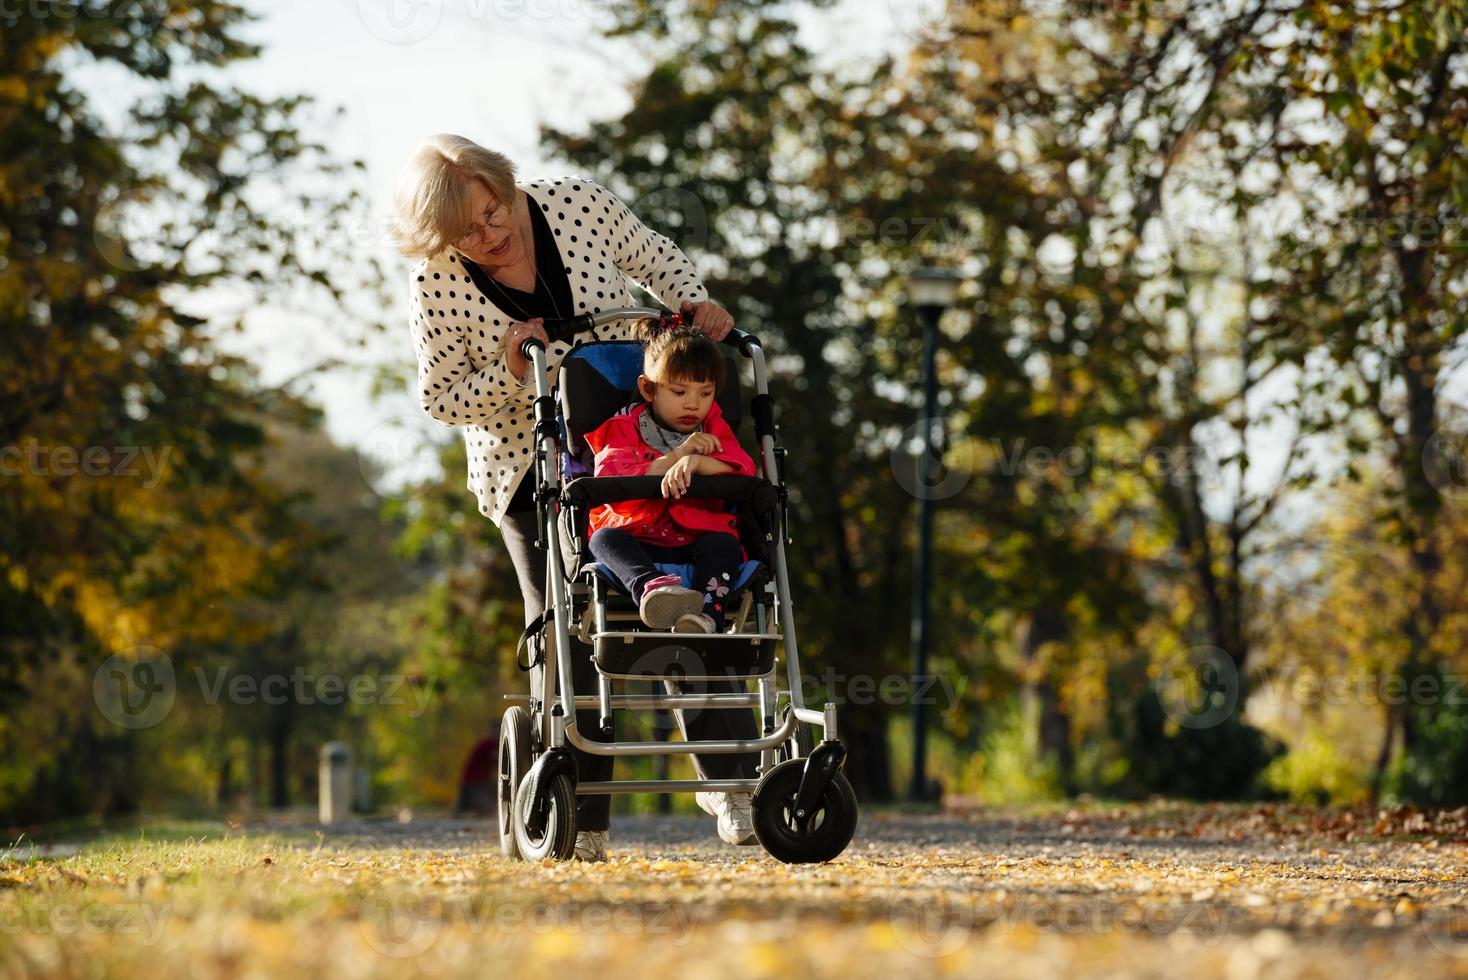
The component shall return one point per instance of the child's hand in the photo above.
(699, 444)
(675, 481)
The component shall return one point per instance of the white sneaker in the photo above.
(664, 599)
(591, 845)
(695, 623)
(735, 813)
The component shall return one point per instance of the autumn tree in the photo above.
(134, 510)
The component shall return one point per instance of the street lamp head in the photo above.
(931, 286)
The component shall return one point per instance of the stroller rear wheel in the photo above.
(829, 829)
(514, 762)
(557, 839)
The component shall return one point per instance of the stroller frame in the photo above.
(806, 814)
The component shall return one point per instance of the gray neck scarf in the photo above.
(659, 438)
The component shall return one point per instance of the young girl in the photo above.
(676, 431)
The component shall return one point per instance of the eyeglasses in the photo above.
(496, 218)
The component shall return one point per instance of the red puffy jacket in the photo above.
(621, 451)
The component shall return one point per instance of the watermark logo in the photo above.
(1448, 935)
(135, 689)
(920, 20)
(1445, 462)
(403, 924)
(399, 456)
(399, 924)
(940, 926)
(400, 21)
(135, 230)
(691, 230)
(1199, 688)
(938, 481)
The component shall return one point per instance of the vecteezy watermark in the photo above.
(941, 923)
(139, 688)
(1304, 686)
(410, 21)
(940, 478)
(148, 227)
(933, 235)
(149, 13)
(934, 925)
(401, 923)
(1206, 921)
(1275, 217)
(920, 20)
(1199, 688)
(400, 21)
(1023, 459)
(679, 662)
(30, 458)
(1445, 461)
(1448, 933)
(142, 920)
(139, 229)
(135, 689)
(301, 687)
(692, 228)
(938, 690)
(399, 454)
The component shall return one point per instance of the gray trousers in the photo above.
(517, 528)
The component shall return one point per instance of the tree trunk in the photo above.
(1423, 505)
(225, 789)
(869, 764)
(280, 737)
(1383, 754)
(1045, 715)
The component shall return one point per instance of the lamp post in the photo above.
(931, 291)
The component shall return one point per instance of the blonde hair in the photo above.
(433, 194)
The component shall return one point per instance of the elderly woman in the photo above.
(496, 257)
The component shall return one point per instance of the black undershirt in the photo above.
(551, 297)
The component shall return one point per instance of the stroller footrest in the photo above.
(716, 747)
(718, 656)
(667, 786)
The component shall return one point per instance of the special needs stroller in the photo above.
(804, 807)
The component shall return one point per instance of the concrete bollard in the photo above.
(335, 778)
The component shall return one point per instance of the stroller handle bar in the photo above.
(569, 327)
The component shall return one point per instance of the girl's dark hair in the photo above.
(679, 352)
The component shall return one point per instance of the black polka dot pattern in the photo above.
(458, 333)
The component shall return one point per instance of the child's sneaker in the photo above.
(664, 600)
(695, 623)
(735, 813)
(591, 845)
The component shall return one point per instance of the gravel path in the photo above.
(1123, 891)
(1160, 890)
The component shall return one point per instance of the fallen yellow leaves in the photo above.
(999, 894)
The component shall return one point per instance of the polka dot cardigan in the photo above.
(464, 377)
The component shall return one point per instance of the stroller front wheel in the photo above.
(557, 839)
(827, 832)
